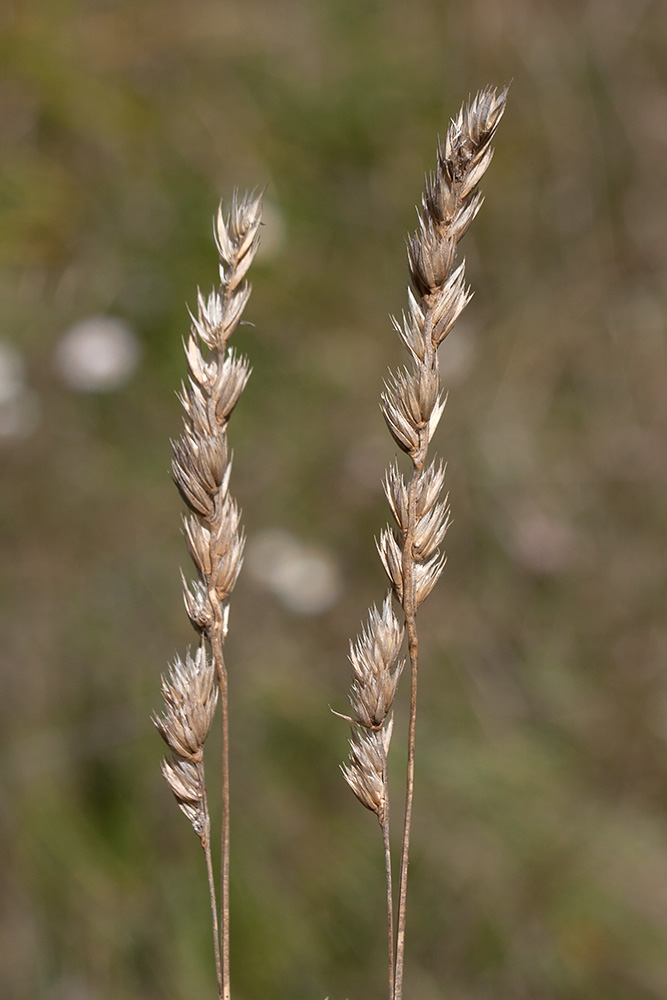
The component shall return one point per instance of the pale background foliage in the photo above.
(540, 846)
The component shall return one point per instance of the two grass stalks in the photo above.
(201, 468)
(412, 404)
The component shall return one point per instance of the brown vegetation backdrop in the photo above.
(540, 840)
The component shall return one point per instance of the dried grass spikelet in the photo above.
(201, 462)
(412, 403)
(187, 781)
(201, 467)
(374, 659)
(366, 769)
(190, 696)
(376, 672)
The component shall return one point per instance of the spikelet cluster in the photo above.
(412, 404)
(201, 468)
(190, 695)
(376, 671)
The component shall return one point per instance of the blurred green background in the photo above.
(540, 843)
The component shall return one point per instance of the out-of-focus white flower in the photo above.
(97, 354)
(305, 578)
(19, 406)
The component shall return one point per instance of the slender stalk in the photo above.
(409, 558)
(407, 825)
(388, 877)
(214, 915)
(413, 653)
(221, 672)
(224, 864)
